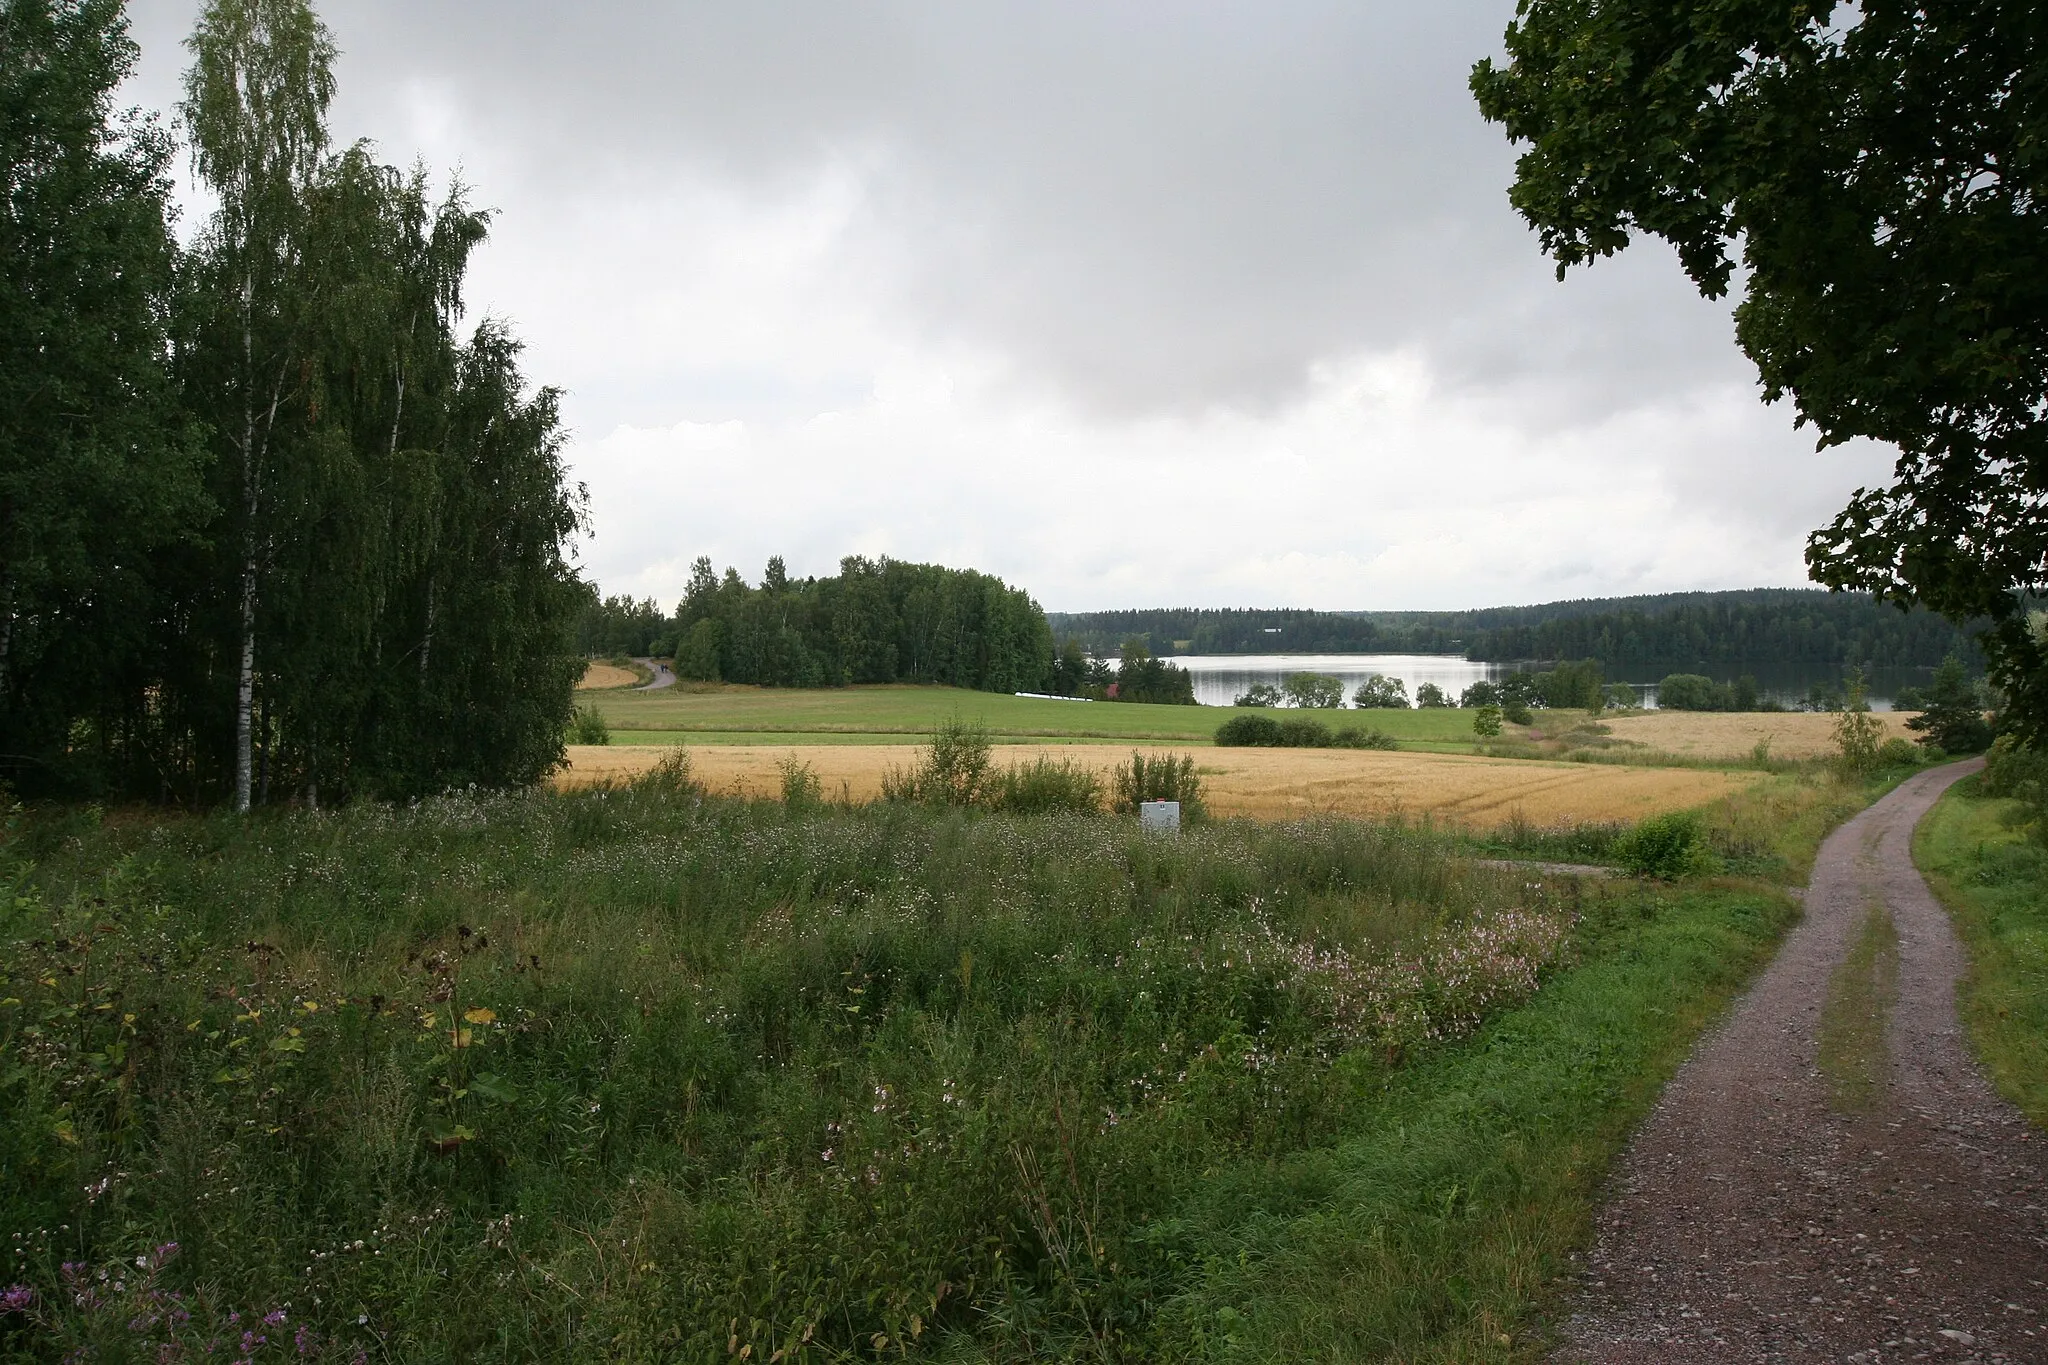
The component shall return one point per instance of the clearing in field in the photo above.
(1732, 735)
(1258, 784)
(606, 675)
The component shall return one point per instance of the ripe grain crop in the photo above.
(1258, 784)
(599, 676)
(1734, 735)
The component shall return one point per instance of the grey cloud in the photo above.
(1145, 208)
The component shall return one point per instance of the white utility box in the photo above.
(1162, 817)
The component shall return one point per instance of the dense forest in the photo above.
(271, 521)
(1753, 627)
(875, 621)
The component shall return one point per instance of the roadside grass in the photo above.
(638, 1073)
(1854, 1018)
(1768, 830)
(886, 714)
(1992, 874)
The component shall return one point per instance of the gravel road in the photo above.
(1749, 1221)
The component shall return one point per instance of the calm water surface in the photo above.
(1222, 678)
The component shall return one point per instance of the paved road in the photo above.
(1750, 1221)
(663, 676)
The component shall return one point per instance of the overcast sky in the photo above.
(1133, 304)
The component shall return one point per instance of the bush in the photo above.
(1249, 732)
(1171, 777)
(1518, 713)
(800, 785)
(1486, 722)
(1898, 753)
(1297, 732)
(954, 770)
(1690, 692)
(1047, 784)
(588, 726)
(1259, 694)
(2015, 772)
(1664, 846)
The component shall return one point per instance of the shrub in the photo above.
(1047, 784)
(672, 776)
(1381, 693)
(1169, 777)
(1664, 846)
(2014, 771)
(800, 785)
(1368, 738)
(1299, 732)
(1242, 732)
(588, 726)
(1517, 713)
(1486, 721)
(1857, 732)
(1259, 694)
(1898, 753)
(954, 769)
(1315, 691)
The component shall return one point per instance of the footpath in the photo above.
(1759, 1216)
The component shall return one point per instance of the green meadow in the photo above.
(906, 714)
(638, 1073)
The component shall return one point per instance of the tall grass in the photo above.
(636, 1073)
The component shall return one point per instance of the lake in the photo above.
(1221, 678)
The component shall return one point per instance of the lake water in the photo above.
(1221, 678)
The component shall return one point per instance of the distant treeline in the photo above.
(876, 621)
(1720, 629)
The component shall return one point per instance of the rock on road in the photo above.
(1750, 1221)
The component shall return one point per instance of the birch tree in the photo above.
(255, 106)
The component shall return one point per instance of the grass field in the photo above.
(730, 714)
(1260, 784)
(1993, 876)
(654, 1075)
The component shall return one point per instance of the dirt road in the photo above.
(1771, 1211)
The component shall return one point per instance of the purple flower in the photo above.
(273, 1318)
(18, 1298)
(303, 1340)
(163, 1254)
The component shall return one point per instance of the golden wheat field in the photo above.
(1261, 784)
(1719, 734)
(607, 675)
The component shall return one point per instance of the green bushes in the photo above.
(588, 726)
(956, 769)
(1170, 777)
(1297, 732)
(1047, 784)
(1486, 722)
(1665, 846)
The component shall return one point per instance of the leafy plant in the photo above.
(1667, 846)
(1486, 722)
(1259, 694)
(1858, 733)
(1164, 777)
(1047, 784)
(588, 726)
(955, 769)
